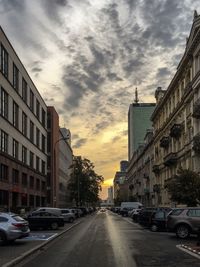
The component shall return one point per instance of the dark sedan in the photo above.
(45, 220)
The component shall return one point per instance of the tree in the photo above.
(84, 184)
(184, 187)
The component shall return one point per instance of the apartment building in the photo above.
(176, 119)
(23, 134)
(140, 178)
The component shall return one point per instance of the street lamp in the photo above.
(54, 171)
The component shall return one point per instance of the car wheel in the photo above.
(182, 231)
(71, 220)
(54, 226)
(3, 238)
(154, 228)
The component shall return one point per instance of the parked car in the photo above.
(45, 220)
(159, 220)
(56, 211)
(124, 211)
(68, 215)
(146, 215)
(184, 221)
(12, 227)
(135, 214)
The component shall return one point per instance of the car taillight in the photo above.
(18, 225)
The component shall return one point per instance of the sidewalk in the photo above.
(15, 252)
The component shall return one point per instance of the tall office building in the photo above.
(139, 115)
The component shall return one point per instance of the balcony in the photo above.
(164, 141)
(196, 109)
(196, 143)
(176, 130)
(156, 188)
(155, 169)
(170, 159)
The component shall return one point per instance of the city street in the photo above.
(106, 239)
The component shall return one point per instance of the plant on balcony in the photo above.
(176, 130)
(156, 188)
(196, 143)
(196, 109)
(164, 142)
(131, 187)
(184, 187)
(156, 169)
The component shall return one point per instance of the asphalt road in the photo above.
(105, 240)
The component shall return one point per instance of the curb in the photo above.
(189, 250)
(33, 250)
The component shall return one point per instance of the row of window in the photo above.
(24, 180)
(4, 109)
(34, 104)
(34, 161)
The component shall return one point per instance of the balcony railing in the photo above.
(196, 109)
(196, 143)
(170, 159)
(176, 130)
(156, 169)
(164, 141)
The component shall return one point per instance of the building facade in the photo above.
(52, 163)
(23, 134)
(176, 119)
(139, 115)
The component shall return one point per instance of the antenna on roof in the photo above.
(136, 100)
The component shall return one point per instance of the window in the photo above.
(37, 137)
(15, 77)
(4, 61)
(43, 167)
(24, 154)
(43, 118)
(4, 172)
(38, 109)
(176, 212)
(24, 124)
(43, 186)
(31, 159)
(15, 176)
(38, 164)
(4, 142)
(24, 90)
(15, 115)
(24, 179)
(194, 213)
(15, 149)
(31, 101)
(43, 143)
(4, 197)
(32, 182)
(31, 131)
(4, 104)
(38, 184)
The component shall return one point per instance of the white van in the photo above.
(133, 205)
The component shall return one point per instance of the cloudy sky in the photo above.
(87, 57)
